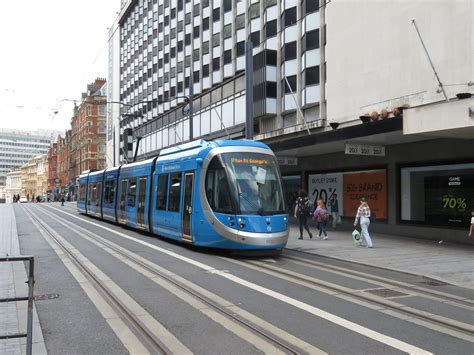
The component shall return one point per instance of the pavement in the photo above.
(13, 315)
(446, 262)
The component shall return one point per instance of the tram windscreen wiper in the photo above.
(251, 203)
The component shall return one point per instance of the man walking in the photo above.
(303, 209)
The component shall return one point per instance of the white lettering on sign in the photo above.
(365, 149)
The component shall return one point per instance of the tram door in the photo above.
(188, 206)
(123, 196)
(141, 201)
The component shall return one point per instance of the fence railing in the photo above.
(29, 298)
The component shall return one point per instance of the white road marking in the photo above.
(217, 317)
(155, 327)
(390, 341)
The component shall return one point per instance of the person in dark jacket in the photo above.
(302, 211)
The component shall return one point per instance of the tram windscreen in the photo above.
(252, 184)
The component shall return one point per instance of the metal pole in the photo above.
(429, 59)
(248, 90)
(191, 108)
(29, 323)
(322, 60)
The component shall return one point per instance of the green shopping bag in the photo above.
(357, 237)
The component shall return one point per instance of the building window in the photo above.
(205, 24)
(289, 17)
(254, 10)
(255, 39)
(240, 48)
(196, 76)
(228, 56)
(270, 29)
(292, 81)
(187, 39)
(271, 89)
(311, 76)
(227, 5)
(216, 39)
(216, 64)
(310, 40)
(228, 31)
(289, 51)
(205, 71)
(216, 14)
(240, 22)
(196, 32)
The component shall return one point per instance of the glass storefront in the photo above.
(438, 195)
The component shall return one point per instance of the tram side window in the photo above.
(175, 192)
(99, 193)
(109, 192)
(89, 195)
(161, 191)
(123, 194)
(82, 193)
(132, 192)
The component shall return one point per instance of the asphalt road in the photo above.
(294, 303)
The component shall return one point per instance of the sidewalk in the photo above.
(13, 315)
(450, 263)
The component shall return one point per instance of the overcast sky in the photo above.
(50, 50)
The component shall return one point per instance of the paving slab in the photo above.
(447, 262)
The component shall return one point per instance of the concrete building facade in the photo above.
(319, 69)
(17, 147)
(13, 185)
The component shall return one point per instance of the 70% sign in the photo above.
(454, 202)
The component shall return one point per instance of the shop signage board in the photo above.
(365, 149)
(369, 184)
(292, 161)
(324, 186)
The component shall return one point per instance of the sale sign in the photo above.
(369, 184)
(324, 186)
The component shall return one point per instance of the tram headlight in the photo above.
(242, 226)
(241, 219)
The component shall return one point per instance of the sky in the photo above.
(50, 51)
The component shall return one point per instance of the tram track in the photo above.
(442, 324)
(404, 287)
(138, 324)
(281, 340)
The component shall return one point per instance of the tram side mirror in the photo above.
(199, 161)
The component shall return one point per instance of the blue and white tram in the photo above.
(221, 194)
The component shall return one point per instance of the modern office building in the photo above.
(410, 157)
(171, 50)
(17, 147)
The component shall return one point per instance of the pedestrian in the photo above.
(334, 206)
(321, 215)
(62, 200)
(303, 209)
(472, 224)
(363, 213)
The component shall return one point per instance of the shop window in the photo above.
(437, 195)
